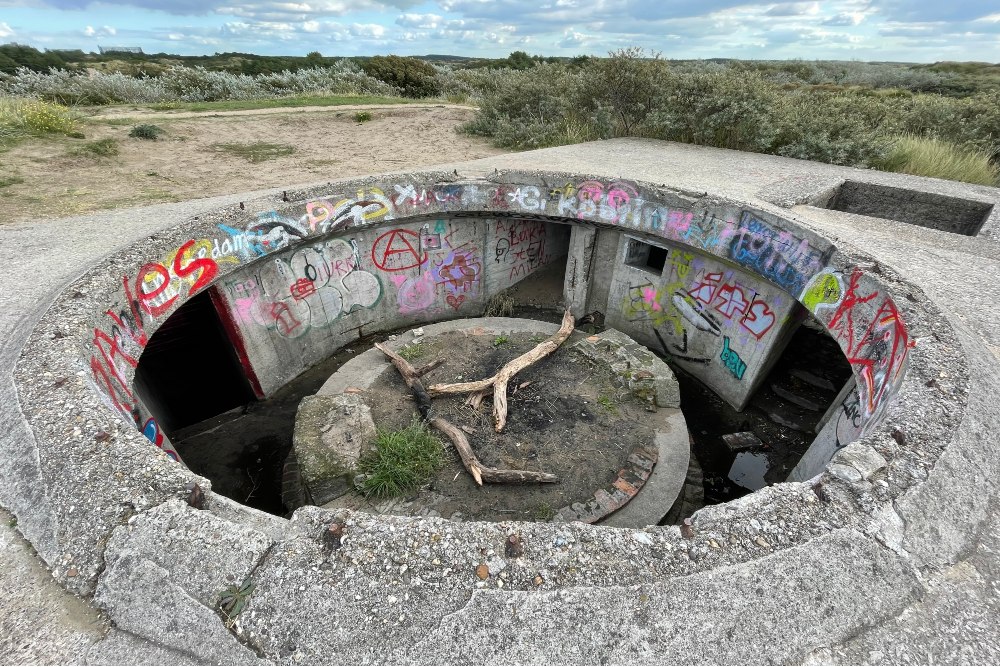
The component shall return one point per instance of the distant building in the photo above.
(120, 49)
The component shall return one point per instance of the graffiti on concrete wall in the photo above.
(519, 245)
(311, 287)
(435, 268)
(868, 327)
(434, 271)
(702, 312)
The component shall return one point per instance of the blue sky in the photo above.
(899, 30)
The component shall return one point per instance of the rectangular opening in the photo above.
(645, 256)
(914, 207)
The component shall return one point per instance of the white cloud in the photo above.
(572, 39)
(421, 21)
(6, 31)
(794, 9)
(367, 30)
(103, 31)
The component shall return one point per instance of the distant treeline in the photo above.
(945, 78)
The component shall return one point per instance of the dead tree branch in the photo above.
(479, 472)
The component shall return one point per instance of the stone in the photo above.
(862, 458)
(331, 434)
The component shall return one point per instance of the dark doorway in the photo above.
(189, 370)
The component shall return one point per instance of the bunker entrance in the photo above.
(177, 393)
(737, 452)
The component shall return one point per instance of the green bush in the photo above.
(415, 78)
(146, 131)
(19, 117)
(401, 461)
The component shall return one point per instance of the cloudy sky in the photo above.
(899, 30)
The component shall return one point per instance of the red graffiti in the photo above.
(205, 267)
(284, 319)
(878, 354)
(398, 250)
(302, 288)
(455, 301)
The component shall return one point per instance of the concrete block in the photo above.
(331, 434)
(203, 552)
(143, 599)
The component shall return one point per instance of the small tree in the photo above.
(628, 82)
(414, 77)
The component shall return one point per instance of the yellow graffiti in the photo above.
(824, 289)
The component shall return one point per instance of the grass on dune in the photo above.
(923, 156)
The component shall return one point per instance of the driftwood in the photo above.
(498, 383)
(479, 472)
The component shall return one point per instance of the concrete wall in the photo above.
(367, 273)
(296, 308)
(724, 325)
(840, 426)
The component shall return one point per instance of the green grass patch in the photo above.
(146, 131)
(259, 151)
(362, 116)
(608, 404)
(401, 461)
(500, 341)
(923, 156)
(413, 351)
(6, 181)
(100, 148)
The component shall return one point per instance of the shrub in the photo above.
(401, 461)
(626, 84)
(20, 118)
(146, 131)
(189, 84)
(923, 156)
(362, 116)
(414, 78)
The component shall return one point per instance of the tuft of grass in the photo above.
(608, 404)
(414, 351)
(400, 461)
(499, 305)
(544, 512)
(258, 151)
(146, 131)
(923, 156)
(6, 181)
(362, 116)
(100, 148)
(500, 340)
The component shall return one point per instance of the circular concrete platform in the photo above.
(649, 475)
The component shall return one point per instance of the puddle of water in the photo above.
(748, 470)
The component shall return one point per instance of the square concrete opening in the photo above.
(645, 256)
(924, 209)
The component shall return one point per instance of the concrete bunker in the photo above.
(143, 541)
(718, 289)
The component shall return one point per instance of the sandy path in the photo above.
(187, 162)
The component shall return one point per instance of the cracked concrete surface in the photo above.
(898, 566)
